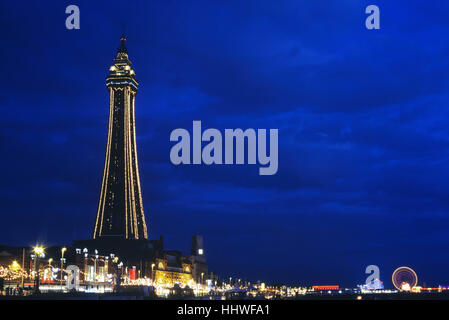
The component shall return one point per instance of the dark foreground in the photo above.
(311, 297)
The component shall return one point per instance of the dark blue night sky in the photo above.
(363, 121)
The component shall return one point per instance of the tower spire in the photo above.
(122, 48)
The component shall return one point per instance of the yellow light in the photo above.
(15, 266)
(38, 250)
(112, 68)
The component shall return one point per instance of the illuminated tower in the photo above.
(120, 210)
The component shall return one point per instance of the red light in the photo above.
(132, 274)
(326, 287)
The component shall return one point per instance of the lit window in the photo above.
(200, 251)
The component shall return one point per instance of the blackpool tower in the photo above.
(120, 209)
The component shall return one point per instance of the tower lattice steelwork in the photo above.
(120, 210)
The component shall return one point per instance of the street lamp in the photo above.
(39, 253)
(152, 276)
(95, 265)
(49, 264)
(38, 250)
(64, 249)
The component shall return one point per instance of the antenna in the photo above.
(123, 29)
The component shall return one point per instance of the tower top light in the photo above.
(122, 48)
(121, 72)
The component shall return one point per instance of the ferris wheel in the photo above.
(404, 278)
